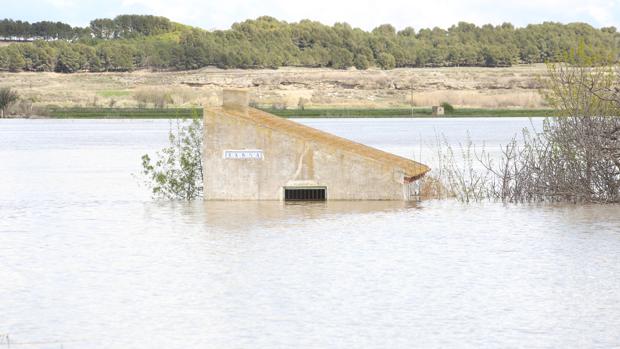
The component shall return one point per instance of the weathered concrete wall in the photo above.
(288, 160)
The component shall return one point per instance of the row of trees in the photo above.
(132, 42)
(45, 30)
(64, 57)
(131, 26)
(121, 27)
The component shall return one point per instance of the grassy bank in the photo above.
(124, 113)
(408, 112)
(168, 113)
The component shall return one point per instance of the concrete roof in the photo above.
(411, 168)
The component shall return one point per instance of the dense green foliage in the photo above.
(133, 42)
(21, 30)
(121, 27)
(129, 26)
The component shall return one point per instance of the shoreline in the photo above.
(405, 113)
(318, 113)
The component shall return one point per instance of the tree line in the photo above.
(121, 27)
(131, 42)
(11, 30)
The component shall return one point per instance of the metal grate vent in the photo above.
(304, 194)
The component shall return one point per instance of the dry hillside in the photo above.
(515, 87)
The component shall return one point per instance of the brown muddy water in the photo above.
(88, 260)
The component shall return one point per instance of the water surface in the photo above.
(88, 260)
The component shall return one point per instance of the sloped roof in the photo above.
(411, 168)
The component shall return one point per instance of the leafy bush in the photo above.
(447, 107)
(177, 172)
(8, 96)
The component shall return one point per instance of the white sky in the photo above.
(365, 14)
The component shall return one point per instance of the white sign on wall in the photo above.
(245, 154)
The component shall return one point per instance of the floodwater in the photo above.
(88, 260)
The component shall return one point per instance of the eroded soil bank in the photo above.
(467, 87)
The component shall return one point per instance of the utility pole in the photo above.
(411, 101)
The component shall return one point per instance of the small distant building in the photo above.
(253, 155)
(438, 110)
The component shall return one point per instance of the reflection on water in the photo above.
(88, 260)
(240, 215)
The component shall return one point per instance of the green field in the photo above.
(408, 112)
(113, 93)
(170, 113)
(124, 113)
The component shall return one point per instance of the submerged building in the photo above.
(253, 155)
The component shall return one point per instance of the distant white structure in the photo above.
(438, 110)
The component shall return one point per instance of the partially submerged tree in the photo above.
(177, 172)
(578, 153)
(574, 158)
(8, 96)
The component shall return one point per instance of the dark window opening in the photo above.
(304, 194)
